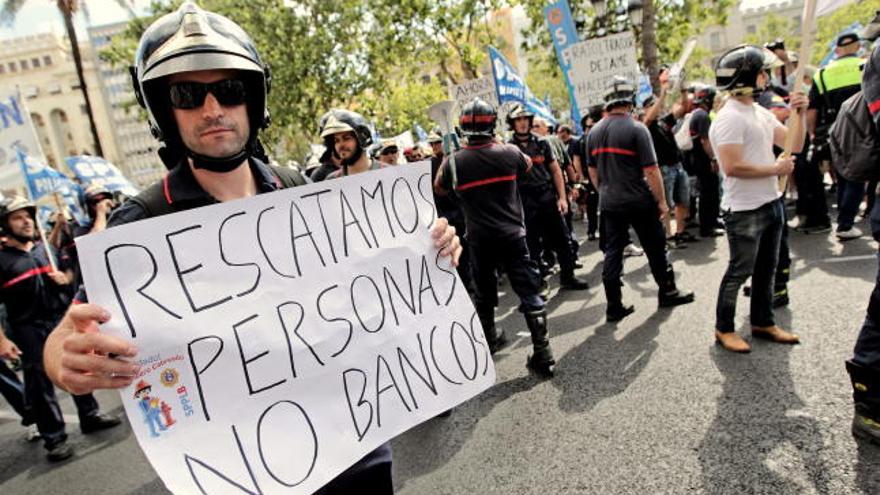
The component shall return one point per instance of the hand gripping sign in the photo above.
(284, 336)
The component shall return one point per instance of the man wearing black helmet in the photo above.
(484, 175)
(703, 161)
(544, 198)
(204, 87)
(621, 162)
(348, 135)
(743, 135)
(36, 295)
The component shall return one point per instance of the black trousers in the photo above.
(39, 392)
(12, 390)
(456, 219)
(710, 200)
(513, 257)
(546, 229)
(652, 236)
(810, 184)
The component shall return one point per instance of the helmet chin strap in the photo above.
(222, 165)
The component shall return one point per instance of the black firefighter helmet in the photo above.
(704, 95)
(339, 120)
(737, 69)
(191, 39)
(477, 118)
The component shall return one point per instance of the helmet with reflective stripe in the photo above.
(737, 69)
(340, 120)
(191, 39)
(620, 91)
(704, 95)
(519, 111)
(478, 118)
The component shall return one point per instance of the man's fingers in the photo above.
(439, 227)
(86, 317)
(99, 343)
(80, 383)
(450, 247)
(99, 365)
(445, 238)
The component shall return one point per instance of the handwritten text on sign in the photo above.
(596, 61)
(285, 336)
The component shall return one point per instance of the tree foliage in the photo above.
(829, 26)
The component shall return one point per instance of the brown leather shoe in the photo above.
(775, 334)
(732, 342)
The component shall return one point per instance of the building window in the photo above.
(13, 67)
(35, 63)
(47, 60)
(715, 41)
(24, 64)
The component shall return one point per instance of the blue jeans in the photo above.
(753, 237)
(849, 197)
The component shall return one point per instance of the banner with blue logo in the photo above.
(510, 87)
(564, 34)
(44, 183)
(96, 170)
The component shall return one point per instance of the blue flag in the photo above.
(645, 90)
(510, 87)
(420, 133)
(96, 170)
(564, 34)
(43, 182)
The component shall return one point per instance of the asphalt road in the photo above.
(649, 405)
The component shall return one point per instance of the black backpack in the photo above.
(152, 199)
(855, 142)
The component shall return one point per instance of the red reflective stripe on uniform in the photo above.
(165, 189)
(537, 160)
(616, 151)
(77, 301)
(33, 272)
(483, 182)
(874, 106)
(481, 119)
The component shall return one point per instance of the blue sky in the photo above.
(41, 16)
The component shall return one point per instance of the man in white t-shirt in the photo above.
(742, 137)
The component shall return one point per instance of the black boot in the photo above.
(98, 422)
(567, 281)
(494, 337)
(616, 311)
(541, 362)
(670, 295)
(866, 396)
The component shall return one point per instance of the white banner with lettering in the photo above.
(595, 62)
(284, 336)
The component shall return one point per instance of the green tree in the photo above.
(772, 27)
(403, 105)
(828, 26)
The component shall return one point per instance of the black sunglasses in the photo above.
(188, 95)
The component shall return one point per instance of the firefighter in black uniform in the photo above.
(36, 296)
(544, 198)
(621, 162)
(484, 175)
(448, 207)
(192, 67)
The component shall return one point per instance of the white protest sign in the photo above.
(16, 133)
(596, 61)
(284, 336)
(483, 87)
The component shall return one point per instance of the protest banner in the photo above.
(483, 87)
(511, 88)
(48, 187)
(96, 170)
(284, 336)
(564, 33)
(595, 62)
(17, 133)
